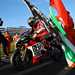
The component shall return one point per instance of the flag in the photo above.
(52, 3)
(67, 23)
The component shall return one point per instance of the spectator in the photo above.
(8, 40)
(4, 43)
(16, 38)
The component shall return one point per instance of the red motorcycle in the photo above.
(29, 51)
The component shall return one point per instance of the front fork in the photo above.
(23, 52)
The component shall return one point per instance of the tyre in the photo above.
(28, 57)
(19, 61)
(56, 53)
(16, 59)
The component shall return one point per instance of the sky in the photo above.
(15, 13)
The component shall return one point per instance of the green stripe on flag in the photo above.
(69, 54)
(56, 22)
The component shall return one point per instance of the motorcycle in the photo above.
(29, 51)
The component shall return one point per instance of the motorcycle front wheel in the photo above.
(16, 59)
(19, 61)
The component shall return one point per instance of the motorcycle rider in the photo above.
(38, 30)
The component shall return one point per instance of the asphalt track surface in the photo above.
(48, 67)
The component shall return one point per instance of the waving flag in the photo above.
(68, 25)
(63, 14)
(64, 17)
(52, 3)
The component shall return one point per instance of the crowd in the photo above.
(8, 45)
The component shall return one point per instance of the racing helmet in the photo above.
(32, 20)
